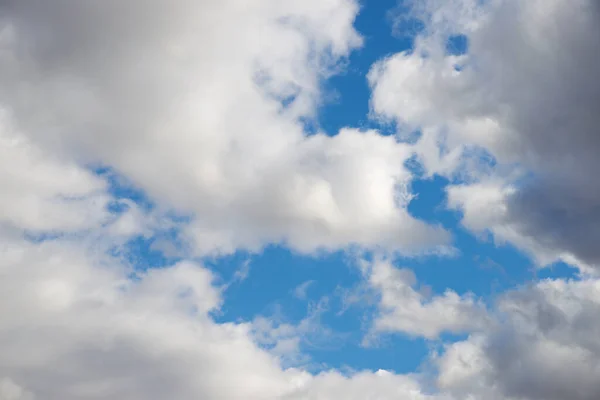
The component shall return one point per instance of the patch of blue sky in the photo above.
(558, 270)
(273, 277)
(121, 189)
(142, 251)
(349, 91)
(480, 267)
(270, 291)
(457, 45)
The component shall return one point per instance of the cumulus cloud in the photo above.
(545, 346)
(75, 323)
(489, 207)
(41, 192)
(202, 105)
(404, 308)
(526, 92)
(105, 336)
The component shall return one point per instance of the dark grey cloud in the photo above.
(545, 346)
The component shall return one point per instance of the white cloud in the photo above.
(9, 390)
(364, 385)
(71, 329)
(186, 101)
(41, 192)
(301, 290)
(404, 308)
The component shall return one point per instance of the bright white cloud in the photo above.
(105, 336)
(365, 385)
(404, 308)
(525, 91)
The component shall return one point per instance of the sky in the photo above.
(299, 200)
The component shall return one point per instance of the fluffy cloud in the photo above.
(365, 385)
(403, 308)
(526, 91)
(76, 324)
(108, 336)
(41, 192)
(74, 329)
(202, 105)
(545, 346)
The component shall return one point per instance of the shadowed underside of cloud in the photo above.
(545, 346)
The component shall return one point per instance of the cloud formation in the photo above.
(404, 308)
(203, 107)
(545, 346)
(525, 91)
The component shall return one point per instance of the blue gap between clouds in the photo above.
(139, 251)
(269, 288)
(350, 107)
(457, 45)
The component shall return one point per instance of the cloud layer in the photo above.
(205, 106)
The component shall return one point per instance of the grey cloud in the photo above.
(559, 218)
(545, 346)
(527, 91)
